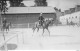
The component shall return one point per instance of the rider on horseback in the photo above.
(41, 19)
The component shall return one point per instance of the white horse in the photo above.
(44, 26)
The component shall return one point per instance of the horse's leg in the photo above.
(34, 29)
(43, 32)
(48, 31)
(6, 30)
(37, 29)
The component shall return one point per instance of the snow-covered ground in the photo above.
(61, 38)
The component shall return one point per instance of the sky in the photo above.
(62, 4)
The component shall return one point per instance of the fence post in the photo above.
(6, 49)
(17, 39)
(28, 25)
(5, 45)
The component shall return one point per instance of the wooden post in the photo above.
(17, 38)
(23, 37)
(28, 25)
(79, 20)
(5, 45)
(6, 49)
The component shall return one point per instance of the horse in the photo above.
(37, 25)
(44, 26)
(6, 27)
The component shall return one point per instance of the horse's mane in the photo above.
(48, 21)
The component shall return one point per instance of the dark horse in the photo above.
(44, 26)
(6, 27)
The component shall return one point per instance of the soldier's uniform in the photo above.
(41, 19)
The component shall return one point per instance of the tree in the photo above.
(22, 5)
(3, 5)
(15, 3)
(58, 14)
(40, 2)
(3, 8)
(44, 2)
(56, 9)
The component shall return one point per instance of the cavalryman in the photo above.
(41, 19)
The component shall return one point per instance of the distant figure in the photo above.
(4, 22)
(5, 25)
(41, 19)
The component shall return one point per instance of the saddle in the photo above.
(41, 23)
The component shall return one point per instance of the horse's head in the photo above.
(49, 21)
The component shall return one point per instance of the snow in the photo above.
(61, 38)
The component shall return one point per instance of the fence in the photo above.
(23, 25)
(27, 25)
(3, 44)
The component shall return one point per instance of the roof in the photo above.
(18, 10)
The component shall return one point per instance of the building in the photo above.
(74, 17)
(77, 8)
(24, 15)
(71, 15)
(67, 12)
(72, 10)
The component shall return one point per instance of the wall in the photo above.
(26, 18)
(74, 17)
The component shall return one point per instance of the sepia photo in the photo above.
(39, 25)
